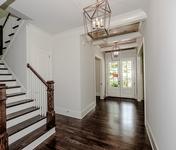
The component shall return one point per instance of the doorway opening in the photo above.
(98, 77)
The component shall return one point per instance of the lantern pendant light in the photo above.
(97, 19)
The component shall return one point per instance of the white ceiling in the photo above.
(60, 15)
(2, 1)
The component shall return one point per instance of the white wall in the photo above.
(39, 42)
(100, 55)
(160, 56)
(66, 73)
(88, 90)
(74, 74)
(2, 20)
(16, 56)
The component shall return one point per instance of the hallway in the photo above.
(114, 125)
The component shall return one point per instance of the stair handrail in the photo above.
(1, 39)
(6, 20)
(50, 98)
(37, 74)
(1, 33)
(3, 124)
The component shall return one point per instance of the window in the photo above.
(127, 74)
(114, 80)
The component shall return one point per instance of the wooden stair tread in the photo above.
(11, 34)
(18, 19)
(3, 68)
(15, 94)
(7, 41)
(21, 112)
(28, 139)
(15, 27)
(5, 74)
(19, 103)
(13, 87)
(25, 124)
(7, 80)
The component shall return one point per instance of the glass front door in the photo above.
(121, 78)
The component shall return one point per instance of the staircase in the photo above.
(24, 122)
(8, 30)
(27, 118)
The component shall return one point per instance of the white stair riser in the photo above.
(26, 131)
(19, 107)
(4, 71)
(15, 98)
(14, 90)
(13, 83)
(20, 119)
(2, 66)
(5, 77)
(41, 139)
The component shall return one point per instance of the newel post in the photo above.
(3, 128)
(50, 101)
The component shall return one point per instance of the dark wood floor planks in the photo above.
(115, 124)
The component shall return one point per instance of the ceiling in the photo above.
(59, 15)
(124, 37)
(2, 1)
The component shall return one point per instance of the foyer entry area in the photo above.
(115, 124)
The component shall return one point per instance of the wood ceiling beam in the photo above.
(118, 38)
(125, 46)
(129, 41)
(116, 31)
(120, 50)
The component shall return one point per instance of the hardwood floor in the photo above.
(115, 124)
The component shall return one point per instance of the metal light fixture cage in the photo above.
(97, 19)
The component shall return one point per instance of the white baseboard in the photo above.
(68, 112)
(37, 142)
(151, 136)
(74, 113)
(88, 109)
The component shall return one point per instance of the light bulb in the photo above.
(116, 54)
(101, 22)
(94, 24)
(97, 22)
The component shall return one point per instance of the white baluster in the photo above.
(38, 92)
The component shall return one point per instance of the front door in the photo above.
(121, 77)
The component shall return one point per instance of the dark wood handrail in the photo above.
(6, 20)
(35, 72)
